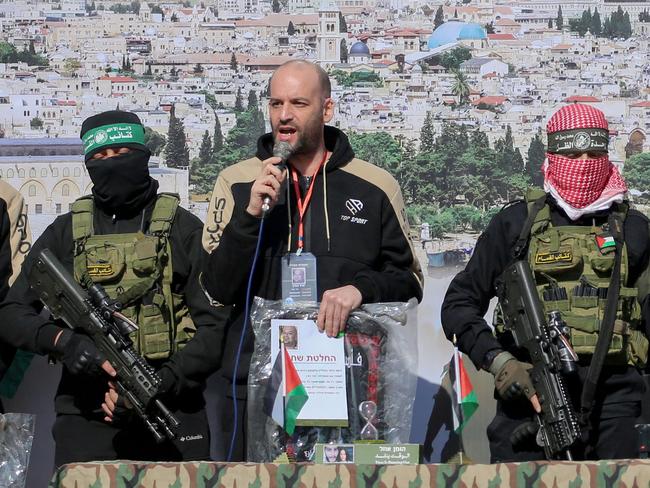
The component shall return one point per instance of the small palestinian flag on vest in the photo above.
(295, 395)
(605, 242)
(285, 394)
(463, 397)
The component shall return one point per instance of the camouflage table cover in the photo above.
(618, 473)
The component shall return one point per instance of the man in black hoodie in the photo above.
(343, 216)
(122, 235)
(15, 241)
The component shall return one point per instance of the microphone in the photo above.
(282, 150)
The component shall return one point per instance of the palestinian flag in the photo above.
(463, 397)
(273, 396)
(605, 242)
(295, 395)
(285, 395)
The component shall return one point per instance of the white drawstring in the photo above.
(327, 218)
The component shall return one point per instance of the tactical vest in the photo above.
(572, 266)
(136, 270)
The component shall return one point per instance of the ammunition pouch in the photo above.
(136, 270)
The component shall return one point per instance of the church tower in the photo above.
(329, 33)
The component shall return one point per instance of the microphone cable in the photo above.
(241, 342)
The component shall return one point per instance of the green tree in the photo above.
(253, 107)
(217, 137)
(452, 60)
(460, 88)
(198, 69)
(154, 141)
(626, 30)
(275, 6)
(177, 154)
(596, 27)
(291, 30)
(343, 26)
(505, 164)
(607, 29)
(550, 23)
(559, 20)
(344, 51)
(233, 62)
(439, 19)
(36, 123)
(636, 172)
(9, 54)
(489, 28)
(585, 22)
(536, 157)
(366, 147)
(205, 151)
(239, 102)
(427, 134)
(252, 101)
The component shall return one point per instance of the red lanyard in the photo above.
(302, 205)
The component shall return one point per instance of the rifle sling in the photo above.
(524, 236)
(607, 325)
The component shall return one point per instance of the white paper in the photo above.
(320, 362)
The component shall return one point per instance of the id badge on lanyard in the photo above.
(299, 273)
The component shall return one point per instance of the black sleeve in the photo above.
(637, 239)
(226, 273)
(469, 294)
(398, 277)
(5, 250)
(21, 325)
(202, 355)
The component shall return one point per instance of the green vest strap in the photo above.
(82, 218)
(163, 213)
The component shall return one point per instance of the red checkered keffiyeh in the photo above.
(577, 116)
(581, 182)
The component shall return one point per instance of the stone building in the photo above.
(51, 174)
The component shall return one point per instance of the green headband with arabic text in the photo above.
(112, 135)
(578, 141)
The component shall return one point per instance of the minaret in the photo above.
(145, 12)
(329, 33)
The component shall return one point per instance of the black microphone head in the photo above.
(282, 150)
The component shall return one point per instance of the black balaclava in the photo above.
(121, 184)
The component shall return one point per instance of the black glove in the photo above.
(168, 382)
(524, 433)
(78, 354)
(511, 377)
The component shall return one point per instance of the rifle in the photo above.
(551, 355)
(94, 312)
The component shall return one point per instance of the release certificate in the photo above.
(320, 363)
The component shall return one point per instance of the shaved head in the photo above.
(301, 64)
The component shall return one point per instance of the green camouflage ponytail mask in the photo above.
(112, 135)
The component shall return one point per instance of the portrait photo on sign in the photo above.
(289, 335)
(338, 453)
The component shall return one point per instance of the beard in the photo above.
(308, 139)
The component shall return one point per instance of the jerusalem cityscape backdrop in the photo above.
(451, 97)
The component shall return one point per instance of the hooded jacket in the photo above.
(23, 327)
(15, 241)
(355, 226)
